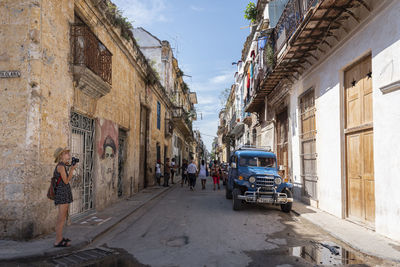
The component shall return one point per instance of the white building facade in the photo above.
(332, 113)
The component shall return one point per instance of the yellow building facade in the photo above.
(72, 78)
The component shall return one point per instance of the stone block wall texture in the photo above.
(35, 43)
(35, 109)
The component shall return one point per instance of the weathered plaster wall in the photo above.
(34, 121)
(386, 70)
(35, 109)
(14, 92)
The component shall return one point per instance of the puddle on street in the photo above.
(326, 253)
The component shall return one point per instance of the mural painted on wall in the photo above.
(107, 149)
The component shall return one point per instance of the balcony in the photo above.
(247, 119)
(221, 129)
(292, 16)
(232, 122)
(236, 126)
(92, 62)
(304, 32)
(169, 128)
(181, 120)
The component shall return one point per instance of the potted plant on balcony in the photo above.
(250, 13)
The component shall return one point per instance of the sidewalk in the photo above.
(83, 231)
(356, 236)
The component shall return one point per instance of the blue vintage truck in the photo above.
(253, 178)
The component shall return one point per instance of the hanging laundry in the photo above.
(251, 70)
(262, 41)
(248, 79)
(253, 54)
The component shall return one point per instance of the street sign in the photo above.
(10, 74)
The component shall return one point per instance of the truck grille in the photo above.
(265, 181)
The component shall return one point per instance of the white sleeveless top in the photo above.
(202, 173)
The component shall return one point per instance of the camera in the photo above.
(74, 161)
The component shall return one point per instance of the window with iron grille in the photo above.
(158, 115)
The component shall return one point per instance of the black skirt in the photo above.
(63, 194)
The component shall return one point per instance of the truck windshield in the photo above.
(257, 162)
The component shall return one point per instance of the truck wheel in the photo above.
(228, 193)
(288, 206)
(237, 203)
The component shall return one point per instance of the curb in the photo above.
(353, 246)
(85, 243)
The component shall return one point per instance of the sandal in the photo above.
(66, 239)
(63, 243)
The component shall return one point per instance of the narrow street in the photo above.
(106, 103)
(184, 228)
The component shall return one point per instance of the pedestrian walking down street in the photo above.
(173, 166)
(158, 172)
(63, 193)
(203, 174)
(167, 172)
(184, 173)
(192, 172)
(216, 174)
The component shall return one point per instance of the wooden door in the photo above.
(308, 156)
(359, 143)
(282, 142)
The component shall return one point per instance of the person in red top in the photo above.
(216, 173)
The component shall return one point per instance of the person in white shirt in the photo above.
(203, 174)
(192, 172)
(158, 172)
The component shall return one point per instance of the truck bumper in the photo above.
(265, 198)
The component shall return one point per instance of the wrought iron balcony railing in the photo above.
(179, 114)
(88, 51)
(292, 16)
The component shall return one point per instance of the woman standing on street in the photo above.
(63, 193)
(215, 173)
(203, 174)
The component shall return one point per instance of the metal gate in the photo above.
(121, 159)
(82, 148)
(308, 154)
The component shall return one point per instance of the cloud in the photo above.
(143, 13)
(222, 78)
(197, 8)
(207, 99)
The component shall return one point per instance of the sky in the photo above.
(207, 36)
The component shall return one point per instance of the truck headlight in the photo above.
(252, 179)
(278, 180)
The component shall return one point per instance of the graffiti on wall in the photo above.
(107, 149)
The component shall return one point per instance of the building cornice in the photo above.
(130, 48)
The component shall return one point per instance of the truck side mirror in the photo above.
(233, 165)
(281, 168)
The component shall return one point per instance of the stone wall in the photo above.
(36, 108)
(33, 119)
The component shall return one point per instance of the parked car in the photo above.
(253, 178)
